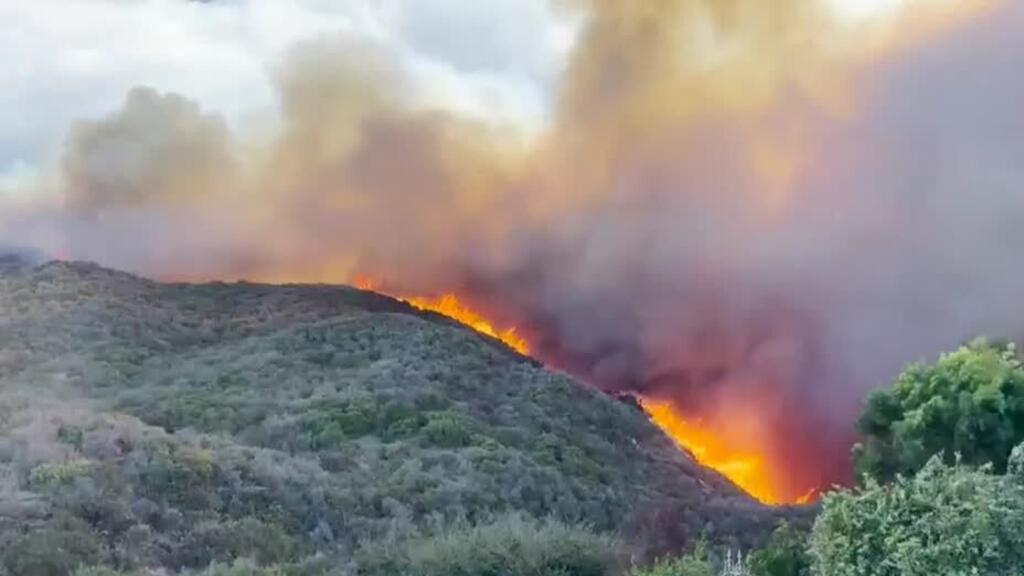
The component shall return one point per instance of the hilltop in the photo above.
(154, 425)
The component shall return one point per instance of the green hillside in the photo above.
(147, 425)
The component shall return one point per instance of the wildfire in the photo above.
(747, 468)
(724, 445)
(449, 305)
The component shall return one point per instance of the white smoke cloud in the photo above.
(75, 59)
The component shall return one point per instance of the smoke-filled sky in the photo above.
(759, 209)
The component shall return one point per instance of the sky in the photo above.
(75, 59)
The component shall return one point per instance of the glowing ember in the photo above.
(745, 467)
(808, 497)
(364, 283)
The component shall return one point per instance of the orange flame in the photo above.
(364, 283)
(450, 306)
(746, 467)
(712, 446)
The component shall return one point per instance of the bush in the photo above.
(785, 554)
(56, 550)
(970, 403)
(56, 474)
(696, 563)
(510, 546)
(240, 568)
(247, 538)
(102, 571)
(447, 430)
(950, 520)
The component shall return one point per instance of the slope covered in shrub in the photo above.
(190, 426)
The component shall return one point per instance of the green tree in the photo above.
(970, 404)
(785, 554)
(953, 520)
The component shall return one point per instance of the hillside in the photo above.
(149, 425)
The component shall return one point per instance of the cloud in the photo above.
(77, 58)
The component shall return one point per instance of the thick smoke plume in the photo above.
(748, 208)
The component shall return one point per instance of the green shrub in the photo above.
(72, 436)
(447, 430)
(697, 563)
(510, 546)
(57, 474)
(183, 476)
(103, 571)
(785, 554)
(56, 550)
(248, 538)
(241, 568)
(949, 520)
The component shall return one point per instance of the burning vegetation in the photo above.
(747, 465)
(450, 305)
(453, 307)
(738, 444)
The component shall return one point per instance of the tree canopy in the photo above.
(953, 520)
(969, 404)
